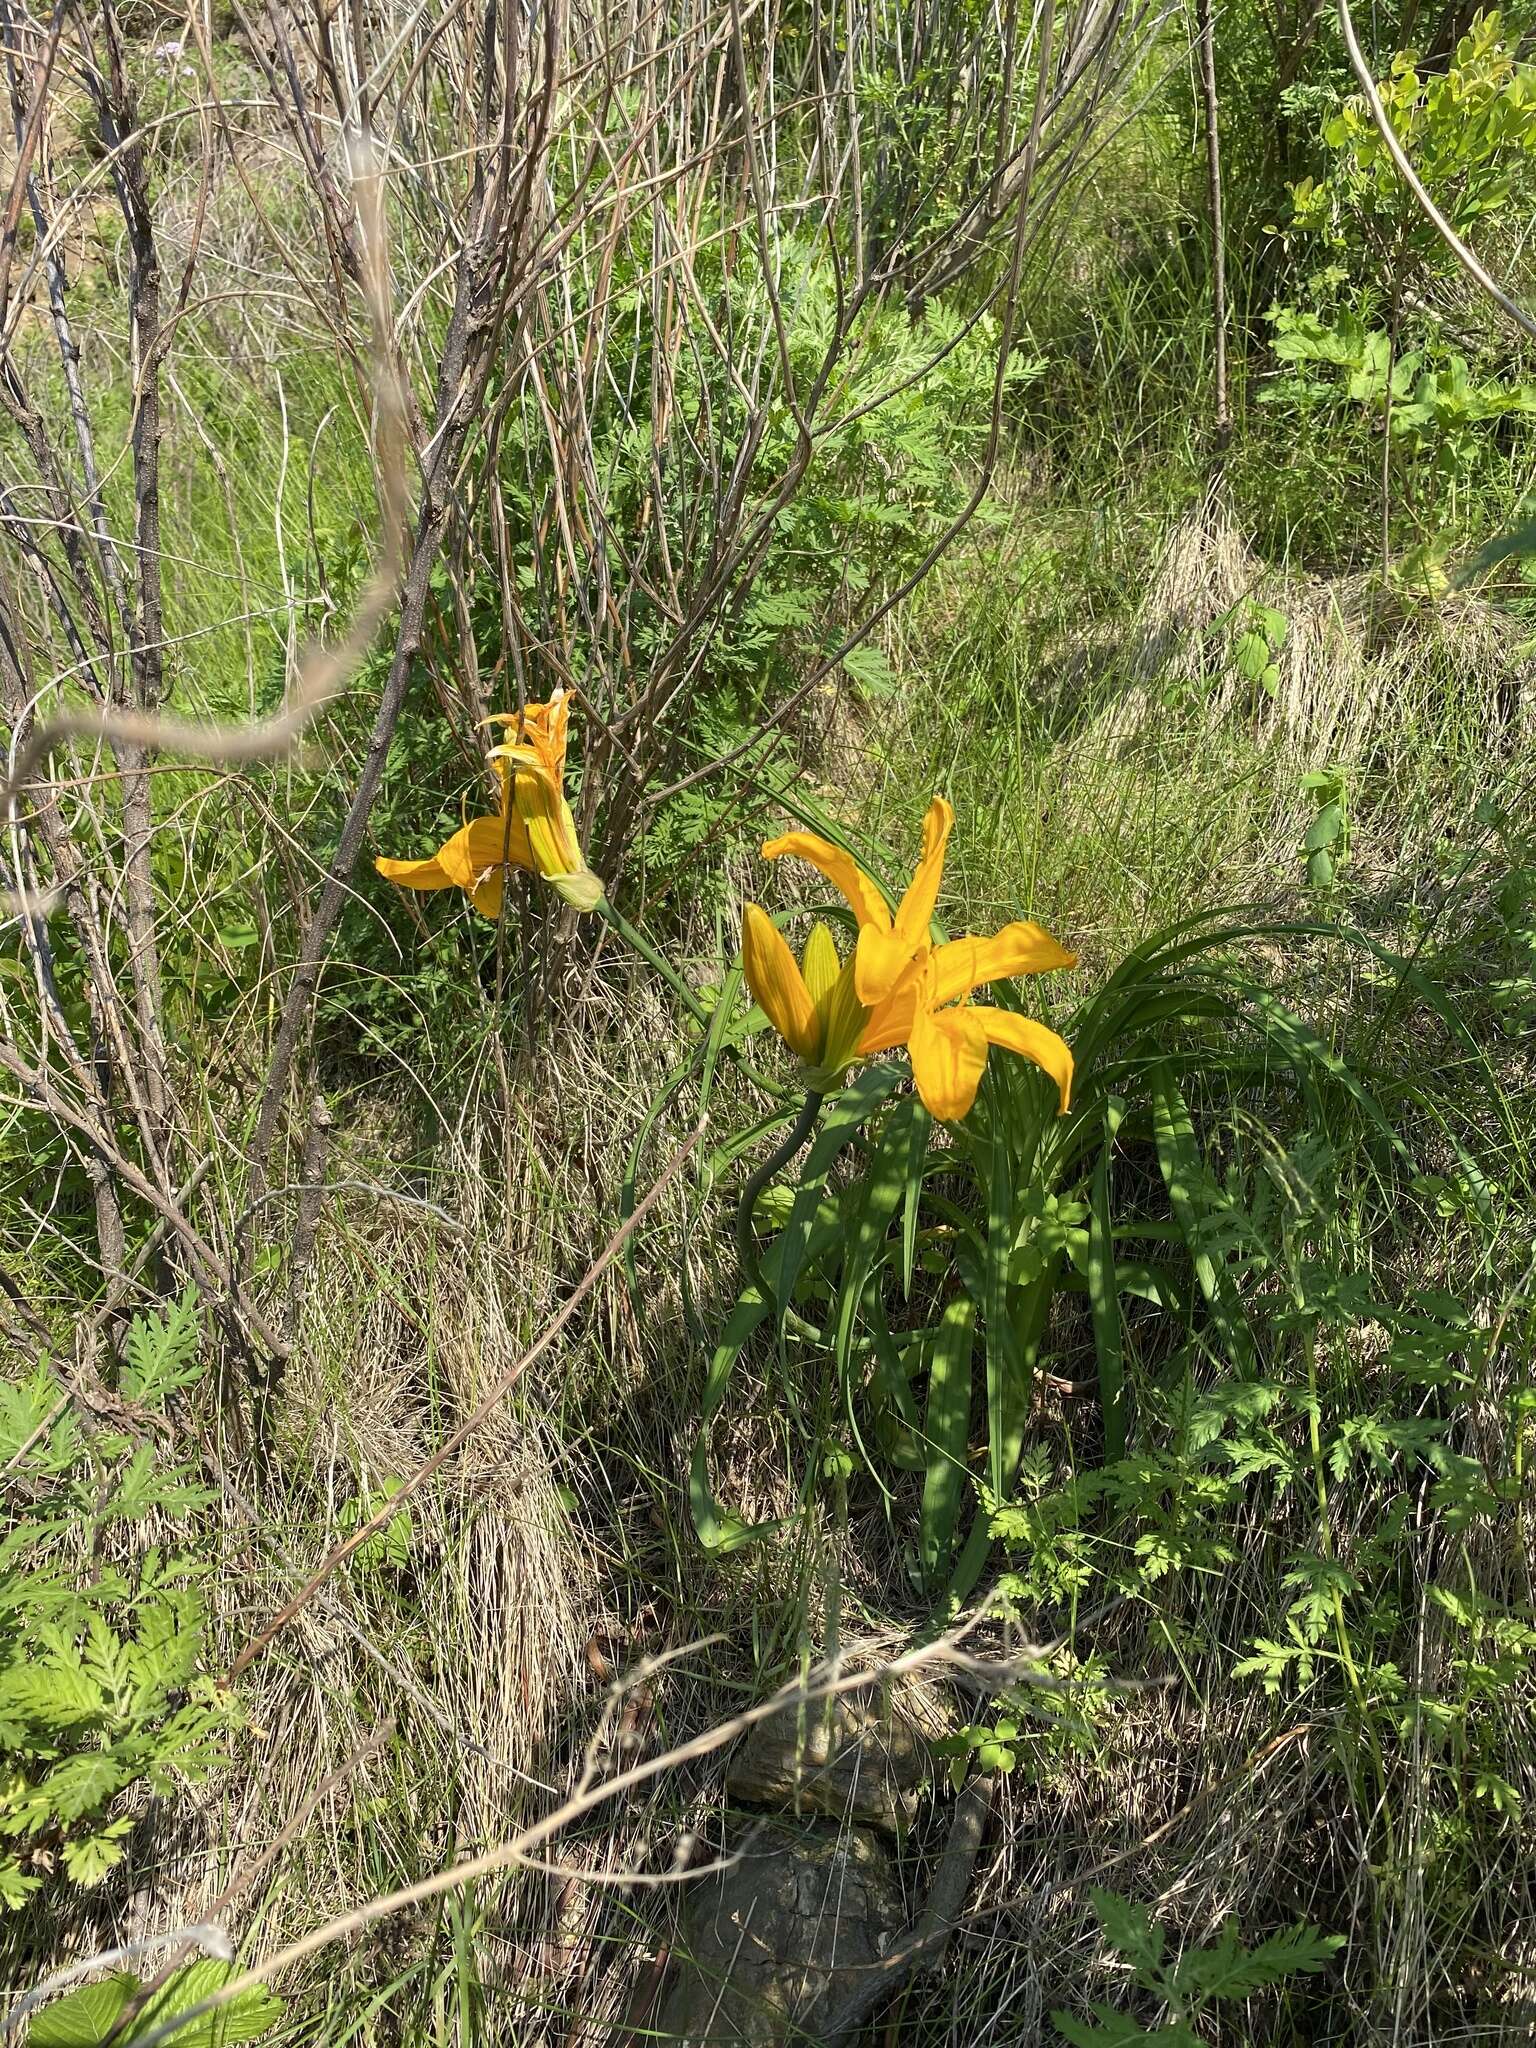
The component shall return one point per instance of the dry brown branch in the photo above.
(926, 1940)
(250, 1874)
(323, 670)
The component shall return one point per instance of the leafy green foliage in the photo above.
(933, 1331)
(1196, 1979)
(104, 1698)
(1468, 130)
(88, 2017)
(1325, 843)
(1259, 638)
(1376, 331)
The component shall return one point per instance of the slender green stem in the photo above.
(746, 1244)
(1336, 1601)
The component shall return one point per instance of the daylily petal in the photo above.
(519, 763)
(879, 958)
(539, 806)
(551, 731)
(1023, 1035)
(534, 828)
(482, 844)
(891, 1019)
(917, 906)
(542, 729)
(819, 963)
(487, 893)
(840, 869)
(949, 1056)
(552, 835)
(416, 874)
(882, 956)
(778, 985)
(1021, 948)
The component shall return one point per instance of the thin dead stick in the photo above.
(26, 150)
(1410, 177)
(471, 1423)
(1205, 30)
(214, 1275)
(201, 1934)
(835, 1685)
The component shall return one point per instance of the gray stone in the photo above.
(851, 1759)
(773, 1946)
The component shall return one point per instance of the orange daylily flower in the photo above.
(915, 994)
(948, 1037)
(532, 830)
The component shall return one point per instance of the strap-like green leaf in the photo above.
(917, 1153)
(884, 1185)
(1189, 1187)
(841, 1119)
(1104, 1302)
(947, 1431)
(718, 1529)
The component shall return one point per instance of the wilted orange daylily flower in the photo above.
(533, 829)
(915, 994)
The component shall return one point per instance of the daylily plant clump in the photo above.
(897, 988)
(532, 829)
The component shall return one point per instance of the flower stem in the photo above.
(746, 1246)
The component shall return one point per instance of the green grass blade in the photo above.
(840, 1120)
(1189, 1192)
(917, 1153)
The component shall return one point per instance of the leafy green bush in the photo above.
(104, 1695)
(1383, 329)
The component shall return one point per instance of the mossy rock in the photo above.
(772, 1947)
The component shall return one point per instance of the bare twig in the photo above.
(251, 1873)
(830, 1683)
(926, 1940)
(324, 670)
(1205, 36)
